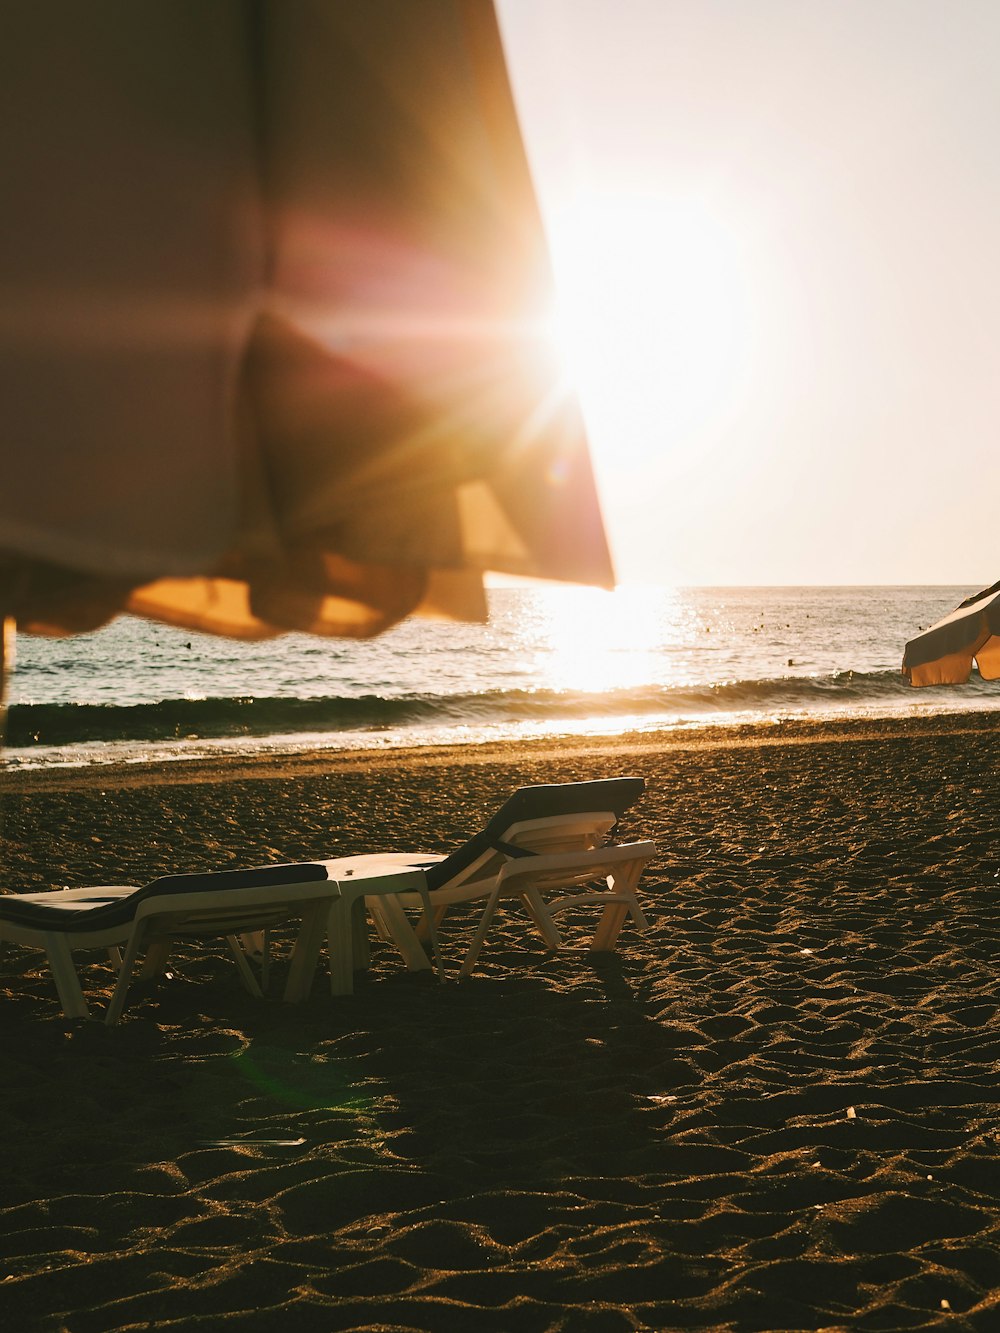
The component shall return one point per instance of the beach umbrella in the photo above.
(272, 343)
(943, 654)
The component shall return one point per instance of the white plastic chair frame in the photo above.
(527, 878)
(242, 916)
(161, 920)
(576, 842)
(545, 836)
(328, 910)
(377, 885)
(58, 946)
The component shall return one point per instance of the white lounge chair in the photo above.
(573, 820)
(147, 920)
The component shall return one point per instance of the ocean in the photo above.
(551, 661)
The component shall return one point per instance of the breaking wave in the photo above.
(62, 724)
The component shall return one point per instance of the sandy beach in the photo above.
(776, 1109)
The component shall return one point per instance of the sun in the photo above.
(652, 319)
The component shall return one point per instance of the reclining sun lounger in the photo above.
(544, 838)
(572, 821)
(147, 920)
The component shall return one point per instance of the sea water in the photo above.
(551, 661)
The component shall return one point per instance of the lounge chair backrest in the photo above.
(122, 911)
(566, 798)
(530, 838)
(563, 833)
(579, 805)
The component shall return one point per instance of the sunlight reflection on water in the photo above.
(552, 660)
(589, 640)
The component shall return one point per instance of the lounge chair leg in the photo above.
(429, 922)
(339, 947)
(255, 944)
(403, 935)
(613, 916)
(542, 917)
(124, 976)
(469, 961)
(244, 968)
(305, 955)
(265, 960)
(608, 928)
(638, 915)
(431, 918)
(612, 920)
(253, 941)
(381, 929)
(157, 957)
(65, 976)
(361, 954)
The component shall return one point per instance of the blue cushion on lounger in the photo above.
(120, 911)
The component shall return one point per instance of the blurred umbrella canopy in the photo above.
(274, 289)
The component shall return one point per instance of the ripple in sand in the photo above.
(383, 1275)
(326, 1201)
(889, 1223)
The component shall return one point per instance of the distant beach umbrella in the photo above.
(943, 654)
(272, 291)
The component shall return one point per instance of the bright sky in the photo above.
(776, 232)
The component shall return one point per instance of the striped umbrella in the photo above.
(943, 654)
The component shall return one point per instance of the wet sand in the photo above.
(777, 1109)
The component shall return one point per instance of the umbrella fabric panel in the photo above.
(944, 654)
(273, 299)
(127, 273)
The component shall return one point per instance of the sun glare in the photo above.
(592, 640)
(653, 319)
